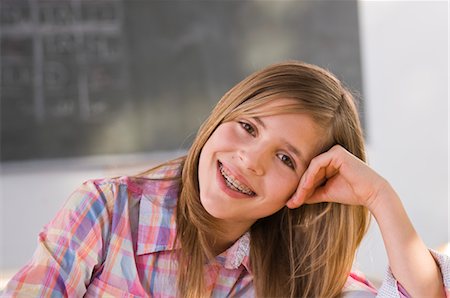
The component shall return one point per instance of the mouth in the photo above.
(233, 183)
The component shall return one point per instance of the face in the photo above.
(251, 166)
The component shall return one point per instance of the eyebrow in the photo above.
(288, 145)
(260, 122)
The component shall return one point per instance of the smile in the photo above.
(234, 183)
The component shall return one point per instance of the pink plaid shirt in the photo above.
(116, 238)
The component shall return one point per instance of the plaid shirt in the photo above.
(116, 238)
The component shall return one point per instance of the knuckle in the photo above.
(314, 163)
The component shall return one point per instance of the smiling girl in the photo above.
(272, 200)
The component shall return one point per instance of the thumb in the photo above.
(304, 196)
(299, 196)
(306, 188)
(319, 195)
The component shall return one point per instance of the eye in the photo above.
(286, 160)
(248, 127)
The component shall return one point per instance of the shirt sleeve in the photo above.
(70, 248)
(358, 286)
(392, 288)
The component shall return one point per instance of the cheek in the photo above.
(220, 136)
(283, 187)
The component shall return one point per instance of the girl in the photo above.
(272, 200)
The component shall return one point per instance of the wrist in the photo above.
(382, 198)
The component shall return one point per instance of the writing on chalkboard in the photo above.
(60, 59)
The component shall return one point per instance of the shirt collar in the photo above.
(157, 220)
(157, 210)
(237, 254)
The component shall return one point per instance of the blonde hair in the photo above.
(305, 252)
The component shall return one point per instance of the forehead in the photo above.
(270, 106)
(285, 107)
(279, 104)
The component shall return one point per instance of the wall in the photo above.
(405, 65)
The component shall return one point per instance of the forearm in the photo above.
(410, 261)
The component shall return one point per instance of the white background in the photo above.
(405, 77)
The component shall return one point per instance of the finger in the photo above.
(312, 196)
(332, 191)
(319, 195)
(304, 192)
(324, 166)
(321, 168)
(298, 197)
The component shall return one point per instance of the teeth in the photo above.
(234, 184)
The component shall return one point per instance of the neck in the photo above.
(231, 233)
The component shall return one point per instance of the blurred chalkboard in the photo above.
(83, 77)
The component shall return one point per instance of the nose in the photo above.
(253, 159)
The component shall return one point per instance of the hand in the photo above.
(338, 176)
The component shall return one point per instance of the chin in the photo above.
(213, 209)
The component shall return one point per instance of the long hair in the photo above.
(305, 252)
